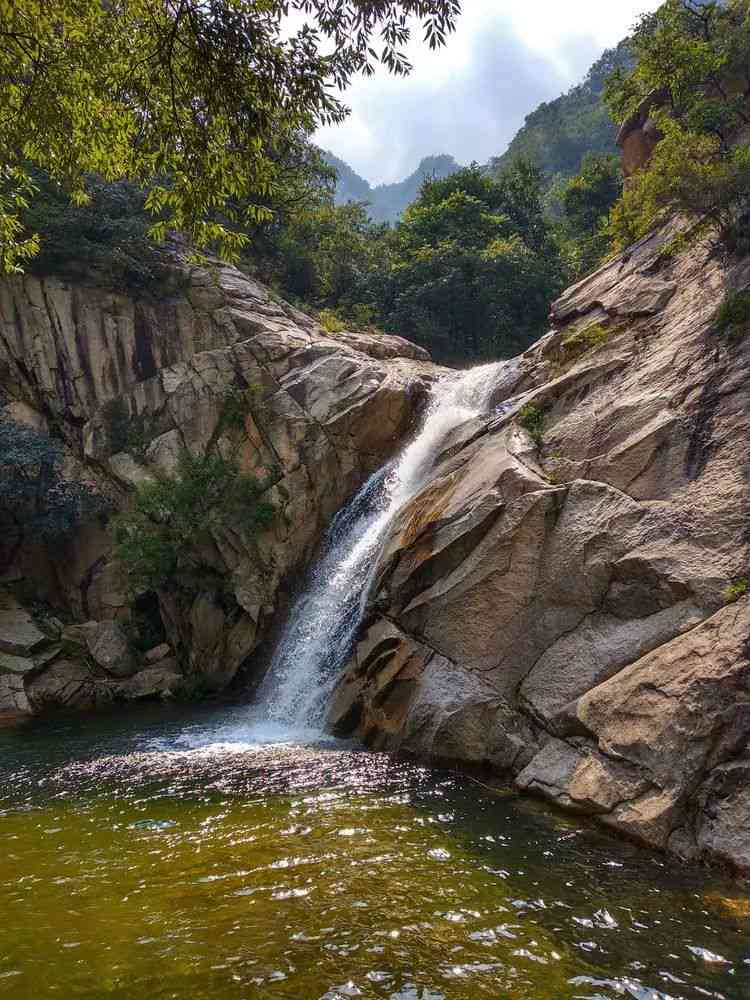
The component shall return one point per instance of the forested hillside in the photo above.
(386, 202)
(558, 134)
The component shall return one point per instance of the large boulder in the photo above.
(20, 637)
(109, 648)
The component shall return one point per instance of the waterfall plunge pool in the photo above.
(190, 853)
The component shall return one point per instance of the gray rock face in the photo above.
(109, 649)
(556, 614)
(318, 414)
(19, 636)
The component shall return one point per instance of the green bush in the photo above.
(158, 538)
(733, 317)
(586, 339)
(736, 590)
(237, 407)
(689, 59)
(127, 433)
(36, 501)
(531, 418)
(106, 241)
(330, 321)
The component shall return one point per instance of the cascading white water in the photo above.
(323, 623)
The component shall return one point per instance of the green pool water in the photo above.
(195, 854)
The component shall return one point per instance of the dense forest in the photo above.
(559, 134)
(477, 253)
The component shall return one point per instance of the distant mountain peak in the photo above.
(387, 201)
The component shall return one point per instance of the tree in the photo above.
(332, 256)
(190, 97)
(693, 59)
(586, 200)
(473, 265)
(106, 240)
(158, 538)
(36, 501)
(558, 134)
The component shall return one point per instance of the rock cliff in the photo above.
(557, 607)
(86, 363)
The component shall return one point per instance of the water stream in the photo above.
(324, 620)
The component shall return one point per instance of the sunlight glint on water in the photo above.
(169, 854)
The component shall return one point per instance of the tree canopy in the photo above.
(473, 265)
(190, 97)
(36, 500)
(694, 60)
(558, 134)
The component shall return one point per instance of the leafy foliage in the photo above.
(158, 539)
(696, 59)
(736, 590)
(733, 317)
(36, 501)
(105, 240)
(531, 418)
(16, 191)
(587, 339)
(126, 432)
(330, 256)
(191, 98)
(237, 407)
(330, 321)
(586, 201)
(473, 265)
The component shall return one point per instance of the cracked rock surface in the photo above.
(558, 613)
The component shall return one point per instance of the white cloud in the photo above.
(469, 99)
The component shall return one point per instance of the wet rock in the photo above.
(580, 778)
(66, 684)
(160, 681)
(19, 665)
(13, 698)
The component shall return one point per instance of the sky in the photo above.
(470, 98)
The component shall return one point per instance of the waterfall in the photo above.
(324, 621)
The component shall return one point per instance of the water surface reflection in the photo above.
(176, 853)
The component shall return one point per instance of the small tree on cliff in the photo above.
(191, 97)
(696, 58)
(158, 538)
